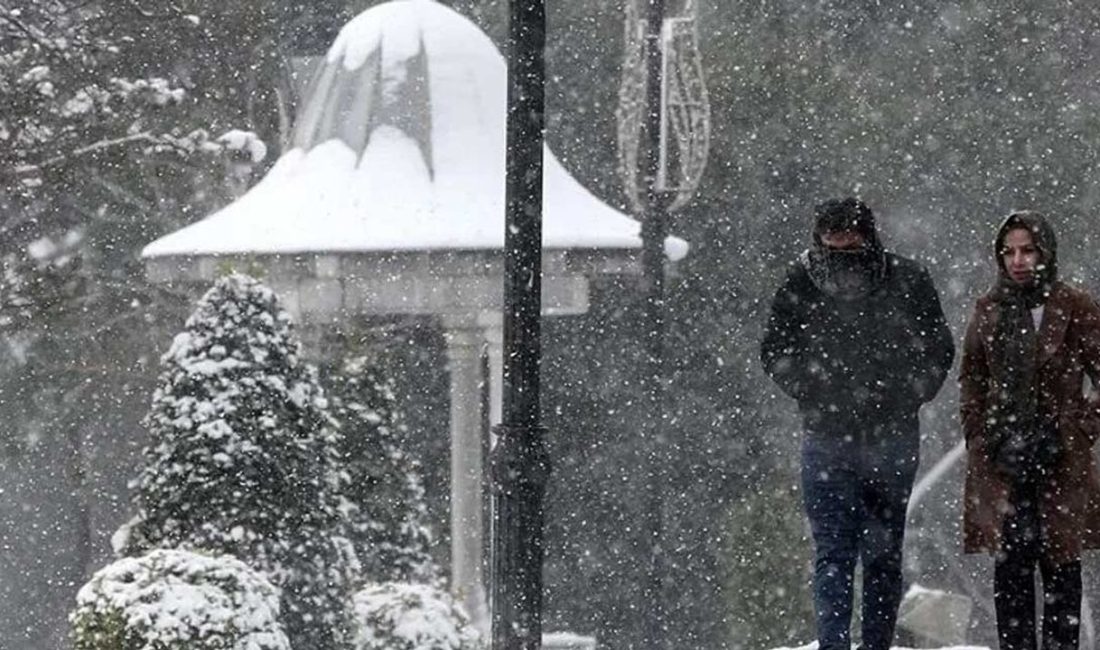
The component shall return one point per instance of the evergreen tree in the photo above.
(389, 528)
(244, 459)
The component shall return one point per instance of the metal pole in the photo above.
(654, 233)
(519, 461)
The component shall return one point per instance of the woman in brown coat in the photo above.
(1032, 488)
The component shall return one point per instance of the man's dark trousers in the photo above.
(856, 488)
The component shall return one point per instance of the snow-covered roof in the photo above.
(400, 146)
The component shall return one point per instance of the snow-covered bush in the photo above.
(385, 490)
(405, 616)
(244, 459)
(176, 600)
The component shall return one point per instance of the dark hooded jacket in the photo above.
(1064, 350)
(862, 358)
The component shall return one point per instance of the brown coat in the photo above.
(1068, 350)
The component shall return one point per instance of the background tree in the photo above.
(389, 526)
(244, 459)
(770, 599)
(95, 157)
(108, 139)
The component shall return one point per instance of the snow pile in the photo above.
(405, 616)
(938, 616)
(567, 641)
(813, 646)
(171, 599)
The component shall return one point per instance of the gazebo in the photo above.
(391, 201)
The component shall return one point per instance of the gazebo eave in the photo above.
(320, 287)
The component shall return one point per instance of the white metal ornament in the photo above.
(685, 108)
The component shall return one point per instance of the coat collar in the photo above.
(1056, 316)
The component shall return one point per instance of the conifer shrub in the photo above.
(386, 492)
(406, 616)
(244, 460)
(177, 600)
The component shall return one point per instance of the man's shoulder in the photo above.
(905, 268)
(796, 284)
(906, 275)
(798, 270)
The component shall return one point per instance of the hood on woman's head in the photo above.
(1042, 234)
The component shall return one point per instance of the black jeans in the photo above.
(1014, 583)
(856, 488)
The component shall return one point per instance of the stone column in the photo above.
(464, 345)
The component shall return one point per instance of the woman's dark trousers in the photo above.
(856, 489)
(1014, 583)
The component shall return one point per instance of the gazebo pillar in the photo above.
(465, 342)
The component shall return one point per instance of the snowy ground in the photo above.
(813, 646)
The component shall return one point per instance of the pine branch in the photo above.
(125, 196)
(145, 13)
(31, 168)
(6, 15)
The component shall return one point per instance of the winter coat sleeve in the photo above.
(1089, 323)
(783, 349)
(974, 381)
(935, 341)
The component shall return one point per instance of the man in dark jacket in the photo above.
(857, 336)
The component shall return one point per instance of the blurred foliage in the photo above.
(108, 139)
(770, 592)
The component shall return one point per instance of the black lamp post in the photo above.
(519, 461)
(664, 137)
(654, 233)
